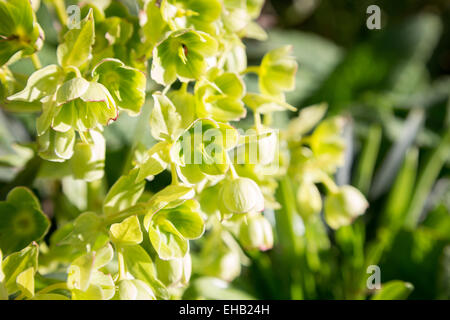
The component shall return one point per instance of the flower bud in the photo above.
(224, 265)
(342, 207)
(309, 201)
(256, 232)
(134, 290)
(174, 271)
(242, 195)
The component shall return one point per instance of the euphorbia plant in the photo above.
(223, 179)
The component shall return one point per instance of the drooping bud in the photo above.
(256, 232)
(242, 195)
(342, 207)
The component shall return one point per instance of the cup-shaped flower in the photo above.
(342, 207)
(201, 150)
(241, 195)
(182, 54)
(126, 84)
(219, 96)
(197, 14)
(277, 72)
(83, 105)
(256, 233)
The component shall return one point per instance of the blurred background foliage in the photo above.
(392, 85)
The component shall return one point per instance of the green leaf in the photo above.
(41, 83)
(16, 263)
(21, 220)
(77, 45)
(25, 282)
(140, 265)
(88, 233)
(126, 84)
(126, 233)
(153, 164)
(124, 193)
(394, 290)
(165, 121)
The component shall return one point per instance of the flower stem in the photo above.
(251, 69)
(36, 62)
(53, 287)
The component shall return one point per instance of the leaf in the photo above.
(16, 263)
(152, 164)
(77, 46)
(21, 220)
(140, 265)
(126, 233)
(394, 290)
(124, 193)
(165, 121)
(25, 282)
(186, 218)
(41, 83)
(87, 234)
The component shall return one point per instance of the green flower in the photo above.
(201, 151)
(126, 84)
(19, 30)
(256, 233)
(241, 195)
(182, 54)
(197, 14)
(277, 72)
(309, 201)
(327, 144)
(342, 207)
(83, 105)
(21, 220)
(56, 146)
(219, 96)
(174, 272)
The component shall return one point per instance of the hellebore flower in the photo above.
(182, 54)
(344, 206)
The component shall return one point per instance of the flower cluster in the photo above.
(224, 180)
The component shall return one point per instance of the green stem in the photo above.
(173, 171)
(53, 287)
(36, 62)
(329, 183)
(122, 266)
(20, 296)
(251, 69)
(60, 11)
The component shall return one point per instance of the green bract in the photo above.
(182, 54)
